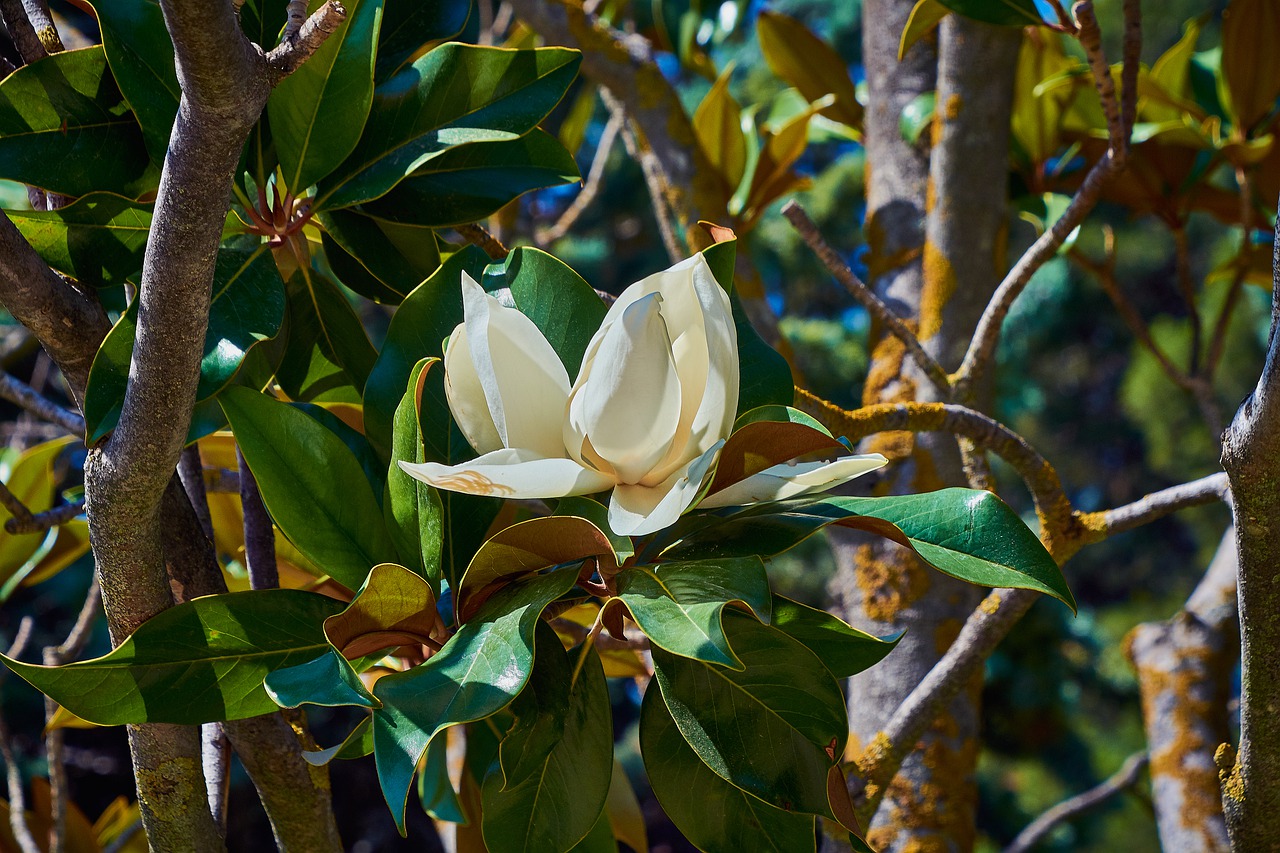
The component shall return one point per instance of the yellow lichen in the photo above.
(990, 605)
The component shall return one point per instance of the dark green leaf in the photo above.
(359, 446)
(680, 606)
(1008, 13)
(774, 729)
(318, 111)
(970, 535)
(600, 839)
(328, 347)
(312, 485)
(247, 307)
(357, 744)
(470, 182)
(326, 680)
(917, 116)
(197, 662)
(842, 648)
(65, 127)
(141, 57)
(738, 822)
(381, 260)
(556, 762)
(408, 25)
(435, 790)
(97, 240)
(561, 304)
(422, 112)
(477, 673)
(412, 509)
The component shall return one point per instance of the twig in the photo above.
(16, 507)
(591, 187)
(56, 656)
(1206, 490)
(259, 535)
(42, 23)
(44, 520)
(21, 31)
(13, 773)
(191, 473)
(298, 44)
(21, 394)
(987, 334)
(1063, 18)
(879, 312)
(655, 177)
(1123, 779)
(478, 235)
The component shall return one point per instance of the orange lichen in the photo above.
(990, 605)
(953, 107)
(890, 580)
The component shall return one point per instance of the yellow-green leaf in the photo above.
(1250, 62)
(924, 18)
(807, 62)
(718, 125)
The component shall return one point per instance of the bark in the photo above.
(925, 217)
(1184, 670)
(1251, 457)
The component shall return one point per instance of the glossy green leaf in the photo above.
(422, 112)
(469, 182)
(328, 346)
(381, 260)
(312, 485)
(412, 509)
(739, 821)
(807, 62)
(477, 673)
(968, 534)
(409, 25)
(141, 57)
(680, 606)
(65, 127)
(97, 240)
(418, 329)
(917, 116)
(247, 307)
(318, 111)
(357, 744)
(197, 662)
(599, 840)
(435, 789)
(326, 680)
(924, 19)
(556, 762)
(1008, 13)
(842, 648)
(370, 464)
(559, 302)
(774, 729)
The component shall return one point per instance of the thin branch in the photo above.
(1123, 779)
(1206, 490)
(259, 535)
(21, 31)
(42, 23)
(15, 506)
(44, 520)
(191, 473)
(478, 235)
(879, 312)
(57, 656)
(21, 394)
(13, 773)
(591, 187)
(297, 45)
(21, 637)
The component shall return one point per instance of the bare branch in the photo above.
(478, 235)
(56, 656)
(591, 187)
(297, 45)
(15, 506)
(21, 394)
(191, 473)
(259, 535)
(1206, 490)
(880, 313)
(21, 31)
(1122, 780)
(42, 23)
(44, 520)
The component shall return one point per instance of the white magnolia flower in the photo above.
(652, 406)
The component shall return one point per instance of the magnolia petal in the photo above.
(465, 394)
(524, 382)
(511, 473)
(627, 403)
(791, 480)
(636, 510)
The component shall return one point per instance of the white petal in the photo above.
(465, 394)
(790, 480)
(639, 510)
(627, 403)
(510, 473)
(524, 381)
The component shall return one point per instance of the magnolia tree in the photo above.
(462, 540)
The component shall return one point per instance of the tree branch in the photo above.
(21, 394)
(56, 656)
(591, 187)
(1122, 780)
(13, 773)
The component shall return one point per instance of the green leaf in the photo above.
(197, 662)
(739, 821)
(435, 789)
(312, 484)
(247, 306)
(380, 260)
(917, 116)
(469, 182)
(31, 479)
(97, 240)
(408, 25)
(718, 126)
(680, 606)
(370, 464)
(141, 57)
(326, 680)
(968, 534)
(924, 19)
(318, 111)
(1008, 13)
(559, 302)
(775, 729)
(65, 127)
(422, 112)
(599, 840)
(842, 648)
(556, 762)
(337, 331)
(357, 744)
(418, 328)
(412, 509)
(477, 673)
(807, 62)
